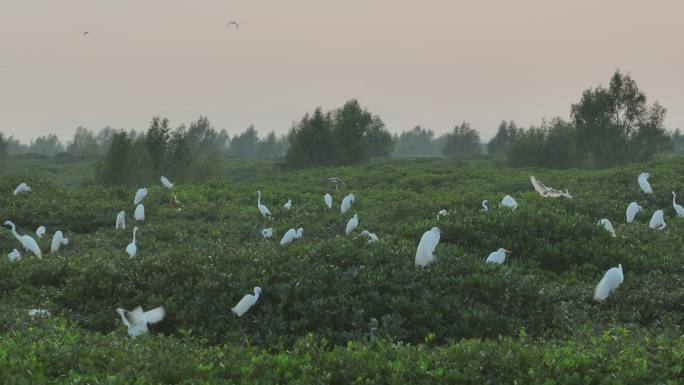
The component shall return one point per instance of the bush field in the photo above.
(335, 309)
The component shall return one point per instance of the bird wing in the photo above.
(155, 315)
(136, 316)
(538, 186)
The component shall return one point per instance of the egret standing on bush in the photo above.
(40, 232)
(352, 224)
(346, 203)
(610, 281)
(658, 220)
(291, 235)
(140, 195)
(262, 208)
(328, 200)
(678, 208)
(132, 249)
(22, 188)
(607, 226)
(497, 257)
(632, 210)
(372, 237)
(485, 205)
(139, 212)
(120, 220)
(288, 204)
(57, 241)
(643, 183)
(166, 182)
(267, 233)
(26, 241)
(246, 302)
(426, 247)
(509, 202)
(15, 255)
(136, 321)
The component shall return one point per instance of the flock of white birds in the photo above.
(137, 321)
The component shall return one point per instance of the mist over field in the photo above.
(307, 193)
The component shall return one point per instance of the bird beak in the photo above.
(507, 251)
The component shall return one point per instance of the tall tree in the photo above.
(156, 141)
(463, 141)
(311, 141)
(180, 159)
(607, 119)
(46, 145)
(417, 142)
(245, 144)
(83, 143)
(3, 147)
(505, 135)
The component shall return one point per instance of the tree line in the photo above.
(608, 126)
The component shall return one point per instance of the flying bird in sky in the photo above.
(234, 23)
(86, 33)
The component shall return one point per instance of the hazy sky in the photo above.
(433, 63)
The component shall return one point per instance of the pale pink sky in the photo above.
(430, 62)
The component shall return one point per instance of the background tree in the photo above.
(417, 142)
(608, 119)
(46, 145)
(311, 141)
(156, 141)
(204, 139)
(462, 141)
(126, 162)
(677, 141)
(180, 155)
(83, 143)
(3, 148)
(505, 136)
(358, 135)
(245, 144)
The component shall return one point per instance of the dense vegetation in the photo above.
(335, 309)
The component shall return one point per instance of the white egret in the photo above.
(442, 213)
(22, 188)
(140, 195)
(426, 247)
(610, 281)
(38, 313)
(15, 255)
(643, 183)
(509, 202)
(658, 220)
(548, 192)
(291, 235)
(372, 237)
(57, 241)
(120, 220)
(137, 320)
(498, 257)
(632, 210)
(166, 182)
(262, 209)
(485, 205)
(40, 232)
(288, 204)
(139, 212)
(328, 200)
(678, 208)
(352, 224)
(346, 203)
(27, 241)
(267, 233)
(607, 226)
(246, 302)
(132, 249)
